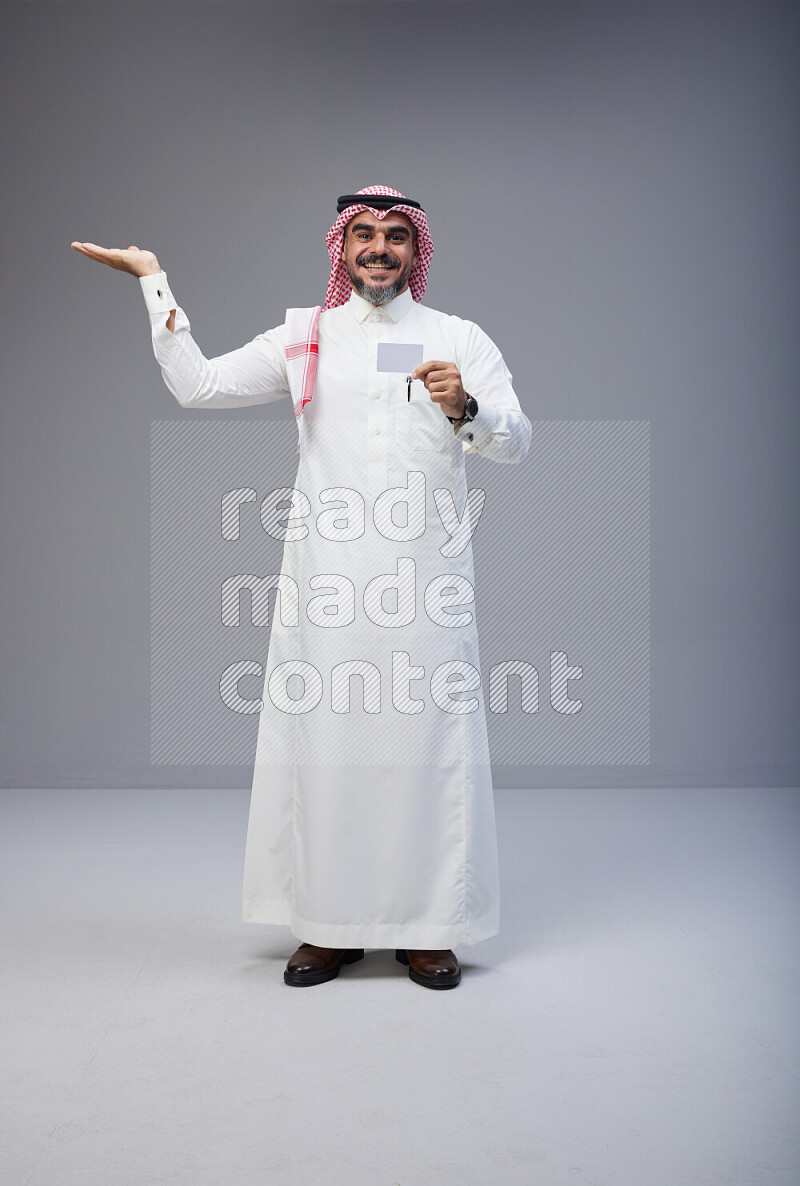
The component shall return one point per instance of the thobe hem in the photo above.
(382, 935)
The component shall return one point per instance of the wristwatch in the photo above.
(470, 412)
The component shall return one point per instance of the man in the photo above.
(372, 816)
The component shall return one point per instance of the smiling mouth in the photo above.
(379, 267)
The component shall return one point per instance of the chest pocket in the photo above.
(421, 426)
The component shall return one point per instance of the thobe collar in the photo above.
(394, 310)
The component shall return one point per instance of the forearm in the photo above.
(253, 374)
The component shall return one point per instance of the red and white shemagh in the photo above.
(302, 350)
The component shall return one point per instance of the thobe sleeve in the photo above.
(253, 374)
(501, 431)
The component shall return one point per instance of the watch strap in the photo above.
(465, 419)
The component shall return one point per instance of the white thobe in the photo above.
(371, 815)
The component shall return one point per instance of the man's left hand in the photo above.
(443, 381)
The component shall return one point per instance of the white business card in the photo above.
(399, 356)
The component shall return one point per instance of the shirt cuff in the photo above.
(157, 294)
(478, 431)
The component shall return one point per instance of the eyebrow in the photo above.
(395, 228)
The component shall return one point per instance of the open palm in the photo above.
(124, 259)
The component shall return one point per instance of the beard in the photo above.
(381, 295)
(384, 293)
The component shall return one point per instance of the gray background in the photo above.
(612, 190)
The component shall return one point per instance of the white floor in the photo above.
(634, 1024)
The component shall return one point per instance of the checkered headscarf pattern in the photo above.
(339, 284)
(302, 352)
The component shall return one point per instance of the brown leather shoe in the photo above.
(433, 969)
(315, 965)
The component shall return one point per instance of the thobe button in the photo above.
(470, 436)
(160, 293)
(377, 432)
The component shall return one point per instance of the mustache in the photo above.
(384, 260)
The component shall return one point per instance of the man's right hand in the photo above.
(131, 259)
